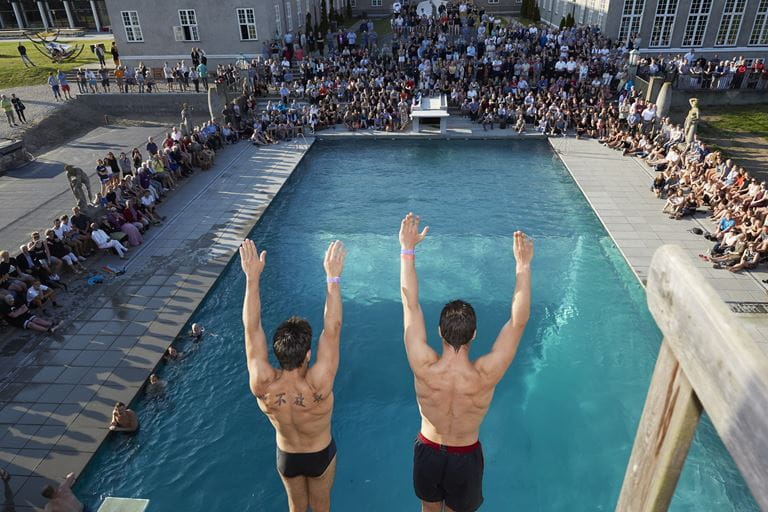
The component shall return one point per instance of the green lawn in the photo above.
(751, 120)
(14, 74)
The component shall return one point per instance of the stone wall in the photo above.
(159, 104)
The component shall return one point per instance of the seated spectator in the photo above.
(103, 241)
(18, 315)
(38, 295)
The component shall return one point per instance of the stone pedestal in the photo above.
(416, 126)
(664, 100)
(443, 125)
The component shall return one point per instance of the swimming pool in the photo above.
(562, 422)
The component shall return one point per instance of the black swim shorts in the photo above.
(313, 465)
(453, 474)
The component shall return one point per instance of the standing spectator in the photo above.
(195, 56)
(90, 76)
(54, 83)
(99, 51)
(64, 84)
(23, 53)
(82, 83)
(168, 75)
(202, 70)
(115, 54)
(7, 107)
(104, 73)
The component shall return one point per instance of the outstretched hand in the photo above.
(409, 232)
(250, 259)
(334, 259)
(523, 249)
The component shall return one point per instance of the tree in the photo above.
(308, 24)
(570, 20)
(536, 17)
(323, 18)
(349, 9)
(333, 16)
(563, 22)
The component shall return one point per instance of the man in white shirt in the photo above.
(103, 241)
(649, 117)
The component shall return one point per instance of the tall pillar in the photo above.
(43, 14)
(95, 16)
(68, 9)
(50, 14)
(664, 100)
(18, 14)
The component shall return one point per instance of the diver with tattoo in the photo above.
(297, 398)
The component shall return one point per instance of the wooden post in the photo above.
(667, 426)
(706, 357)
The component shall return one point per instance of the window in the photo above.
(353, 3)
(582, 11)
(696, 26)
(631, 18)
(760, 28)
(493, 1)
(278, 20)
(375, 3)
(299, 18)
(188, 21)
(246, 19)
(288, 17)
(661, 33)
(132, 28)
(730, 23)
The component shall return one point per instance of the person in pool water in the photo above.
(197, 332)
(297, 398)
(453, 392)
(62, 499)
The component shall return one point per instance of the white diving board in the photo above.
(123, 505)
(432, 107)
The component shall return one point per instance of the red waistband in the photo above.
(450, 449)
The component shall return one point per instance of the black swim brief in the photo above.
(453, 474)
(313, 465)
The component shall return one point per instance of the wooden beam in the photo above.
(727, 370)
(666, 430)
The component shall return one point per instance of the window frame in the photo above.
(278, 19)
(246, 24)
(189, 29)
(731, 14)
(130, 36)
(630, 19)
(667, 21)
(376, 3)
(694, 25)
(761, 17)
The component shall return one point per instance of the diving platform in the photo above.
(123, 505)
(430, 107)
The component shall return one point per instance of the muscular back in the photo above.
(299, 411)
(453, 399)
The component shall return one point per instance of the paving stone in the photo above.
(16, 436)
(56, 393)
(25, 461)
(87, 358)
(71, 375)
(64, 414)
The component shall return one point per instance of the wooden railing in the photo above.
(708, 362)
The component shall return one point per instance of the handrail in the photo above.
(706, 361)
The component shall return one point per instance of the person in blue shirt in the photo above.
(53, 82)
(64, 84)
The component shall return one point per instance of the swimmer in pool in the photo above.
(197, 332)
(123, 419)
(453, 392)
(61, 498)
(297, 398)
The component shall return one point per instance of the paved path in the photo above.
(618, 189)
(56, 405)
(32, 195)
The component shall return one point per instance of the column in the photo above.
(95, 16)
(17, 13)
(70, 18)
(43, 14)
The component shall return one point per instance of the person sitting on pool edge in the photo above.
(297, 398)
(123, 419)
(453, 392)
(62, 499)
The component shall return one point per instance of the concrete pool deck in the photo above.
(618, 189)
(56, 401)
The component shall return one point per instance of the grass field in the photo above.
(14, 74)
(738, 120)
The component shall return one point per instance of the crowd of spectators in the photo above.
(126, 205)
(692, 178)
(690, 71)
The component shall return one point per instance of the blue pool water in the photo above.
(562, 422)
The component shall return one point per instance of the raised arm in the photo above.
(496, 362)
(415, 334)
(324, 370)
(260, 372)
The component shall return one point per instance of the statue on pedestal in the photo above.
(78, 180)
(691, 120)
(186, 111)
